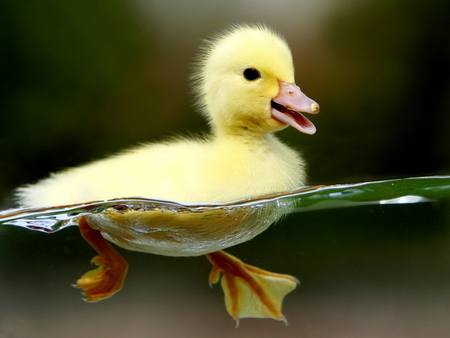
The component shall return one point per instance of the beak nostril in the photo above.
(291, 92)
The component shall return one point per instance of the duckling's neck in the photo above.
(243, 135)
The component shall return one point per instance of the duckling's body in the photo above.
(240, 78)
(217, 170)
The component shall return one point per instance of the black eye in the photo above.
(251, 74)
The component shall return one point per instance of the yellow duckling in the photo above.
(245, 85)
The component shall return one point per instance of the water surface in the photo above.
(397, 191)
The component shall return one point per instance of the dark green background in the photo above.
(83, 79)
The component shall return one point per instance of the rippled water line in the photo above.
(396, 191)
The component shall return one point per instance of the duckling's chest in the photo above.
(240, 169)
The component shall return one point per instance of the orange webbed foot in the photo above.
(249, 291)
(109, 277)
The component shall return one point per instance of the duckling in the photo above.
(245, 85)
(245, 88)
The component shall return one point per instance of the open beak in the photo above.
(289, 104)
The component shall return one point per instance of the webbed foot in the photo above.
(250, 292)
(109, 277)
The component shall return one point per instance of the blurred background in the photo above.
(80, 80)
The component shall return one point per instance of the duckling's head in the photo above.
(245, 81)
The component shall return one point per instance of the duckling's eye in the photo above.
(251, 74)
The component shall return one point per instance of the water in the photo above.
(397, 191)
(373, 260)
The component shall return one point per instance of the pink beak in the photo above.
(288, 104)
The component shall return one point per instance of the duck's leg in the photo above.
(250, 292)
(109, 277)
